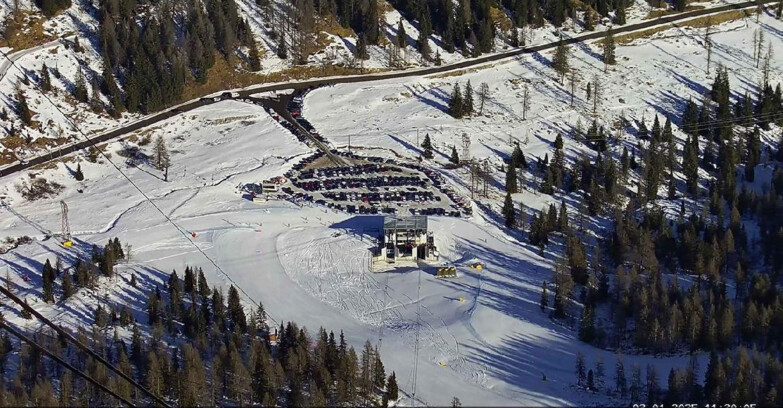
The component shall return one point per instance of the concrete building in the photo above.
(406, 239)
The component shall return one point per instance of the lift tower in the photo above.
(66, 228)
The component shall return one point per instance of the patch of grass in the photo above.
(331, 26)
(460, 72)
(7, 157)
(665, 12)
(700, 22)
(25, 31)
(220, 76)
(501, 18)
(306, 72)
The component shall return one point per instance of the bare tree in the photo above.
(573, 81)
(708, 42)
(766, 66)
(525, 102)
(483, 94)
(755, 43)
(596, 94)
(161, 155)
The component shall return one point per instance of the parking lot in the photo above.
(373, 185)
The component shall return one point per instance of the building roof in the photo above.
(414, 222)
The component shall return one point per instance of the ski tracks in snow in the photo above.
(335, 270)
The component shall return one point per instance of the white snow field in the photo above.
(481, 336)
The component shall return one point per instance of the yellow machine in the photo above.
(477, 266)
(446, 272)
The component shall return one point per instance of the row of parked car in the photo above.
(371, 183)
(343, 171)
(435, 177)
(391, 196)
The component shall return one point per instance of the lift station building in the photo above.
(406, 239)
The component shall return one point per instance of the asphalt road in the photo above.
(6, 64)
(245, 93)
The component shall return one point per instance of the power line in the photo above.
(22, 337)
(168, 219)
(78, 344)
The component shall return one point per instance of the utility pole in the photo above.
(417, 138)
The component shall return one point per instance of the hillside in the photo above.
(88, 79)
(626, 215)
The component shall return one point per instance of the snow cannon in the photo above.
(68, 244)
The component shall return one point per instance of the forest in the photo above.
(690, 264)
(195, 345)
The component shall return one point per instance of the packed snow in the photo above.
(481, 336)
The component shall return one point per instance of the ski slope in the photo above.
(311, 265)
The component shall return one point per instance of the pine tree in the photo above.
(24, 110)
(78, 175)
(95, 99)
(456, 104)
(467, 108)
(609, 48)
(46, 80)
(587, 326)
(235, 309)
(511, 179)
(427, 146)
(203, 286)
(161, 154)
(402, 38)
(560, 59)
(454, 159)
(282, 50)
(508, 211)
(68, 289)
(47, 276)
(391, 387)
(361, 47)
(580, 368)
(254, 57)
(80, 88)
(619, 376)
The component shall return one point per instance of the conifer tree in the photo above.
(68, 289)
(468, 100)
(46, 80)
(78, 175)
(427, 146)
(544, 302)
(508, 211)
(609, 48)
(619, 376)
(511, 179)
(161, 154)
(361, 47)
(254, 57)
(560, 60)
(282, 50)
(24, 110)
(80, 88)
(456, 104)
(48, 276)
(235, 309)
(402, 38)
(580, 368)
(454, 159)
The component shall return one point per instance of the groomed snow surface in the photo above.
(311, 265)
